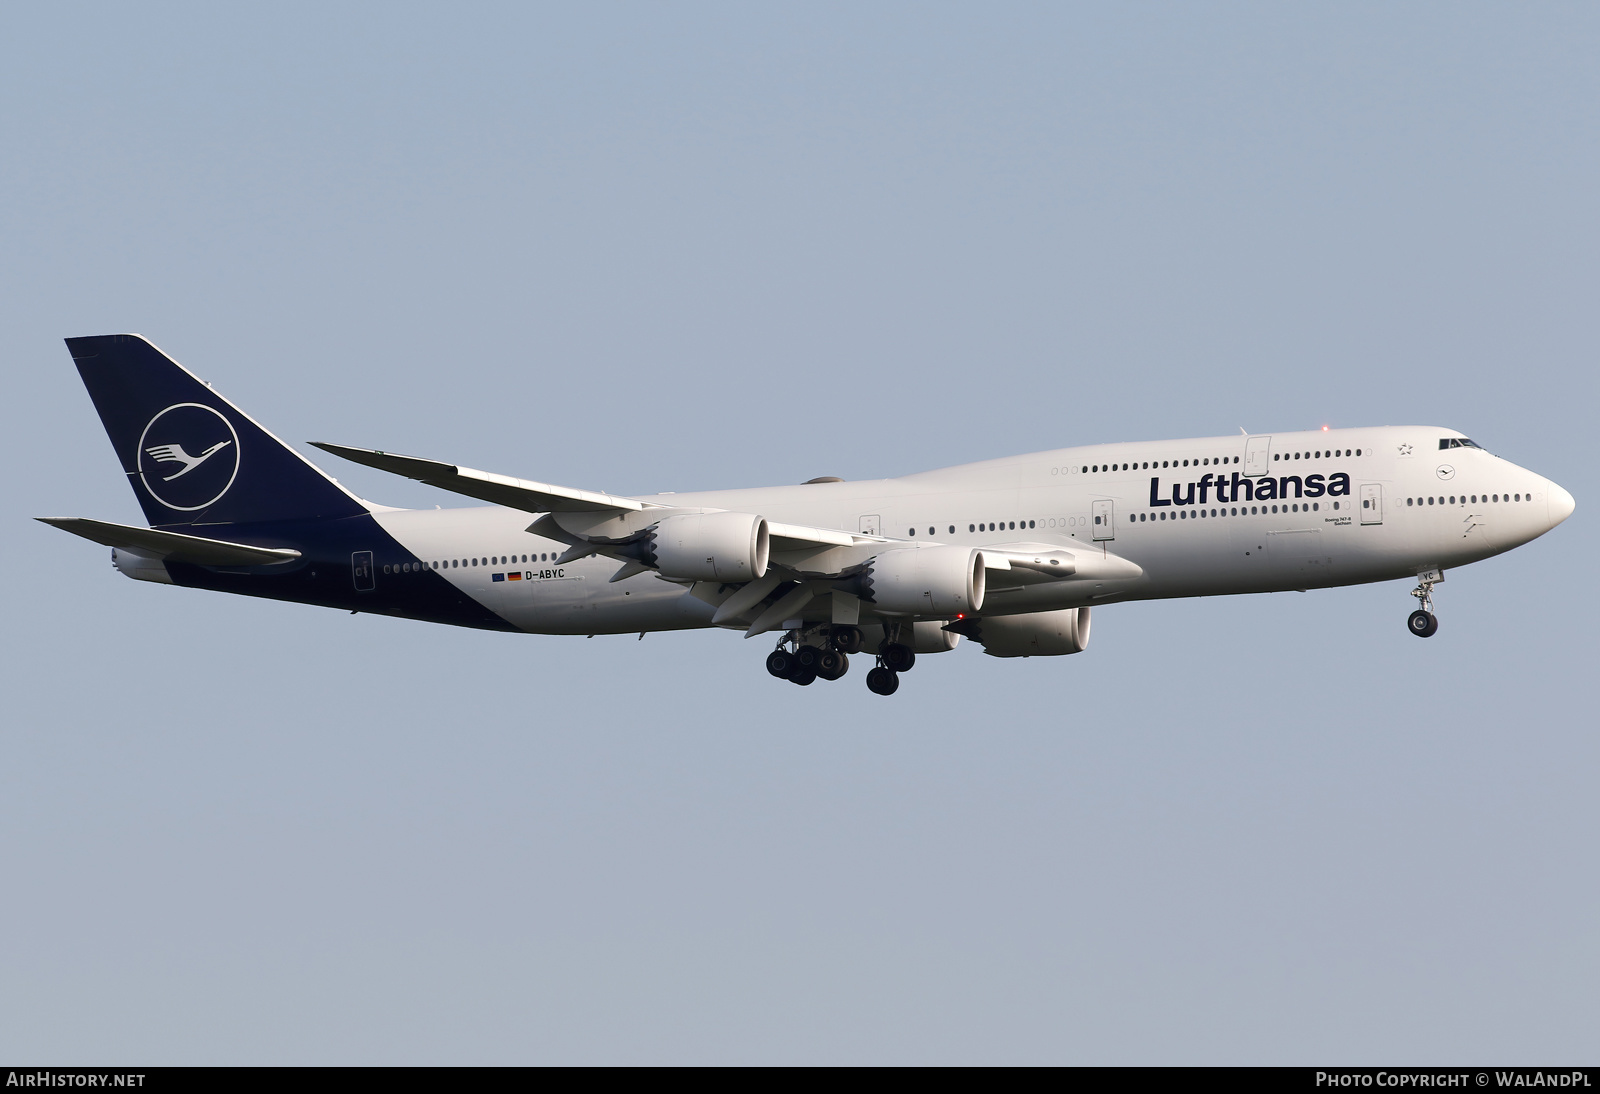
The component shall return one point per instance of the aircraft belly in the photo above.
(588, 606)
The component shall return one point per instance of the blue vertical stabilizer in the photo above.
(192, 456)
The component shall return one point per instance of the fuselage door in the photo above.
(1105, 526)
(1371, 503)
(871, 525)
(1256, 456)
(361, 571)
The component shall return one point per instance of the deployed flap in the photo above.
(534, 497)
(172, 546)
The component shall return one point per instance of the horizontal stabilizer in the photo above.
(172, 546)
(532, 497)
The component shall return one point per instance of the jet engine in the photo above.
(939, 581)
(1038, 634)
(710, 547)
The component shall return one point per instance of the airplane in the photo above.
(1011, 553)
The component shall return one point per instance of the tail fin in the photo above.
(192, 456)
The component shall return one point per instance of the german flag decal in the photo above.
(513, 577)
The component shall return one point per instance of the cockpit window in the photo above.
(1455, 442)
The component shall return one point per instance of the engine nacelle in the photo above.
(711, 547)
(1038, 634)
(938, 581)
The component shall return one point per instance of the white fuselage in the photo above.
(1410, 506)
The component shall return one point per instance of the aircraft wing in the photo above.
(605, 523)
(532, 497)
(172, 546)
(540, 497)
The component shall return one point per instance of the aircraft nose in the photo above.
(1561, 505)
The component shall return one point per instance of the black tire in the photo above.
(847, 639)
(809, 657)
(1422, 624)
(781, 664)
(803, 677)
(898, 658)
(880, 681)
(832, 665)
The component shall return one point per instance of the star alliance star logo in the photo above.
(1405, 450)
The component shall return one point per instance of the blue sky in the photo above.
(639, 248)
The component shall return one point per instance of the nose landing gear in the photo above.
(1422, 622)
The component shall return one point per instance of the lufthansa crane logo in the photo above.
(188, 456)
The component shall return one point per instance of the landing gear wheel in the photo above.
(803, 677)
(880, 681)
(847, 639)
(781, 664)
(832, 665)
(809, 658)
(898, 657)
(1422, 623)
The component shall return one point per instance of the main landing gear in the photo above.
(894, 657)
(815, 653)
(822, 652)
(1422, 622)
